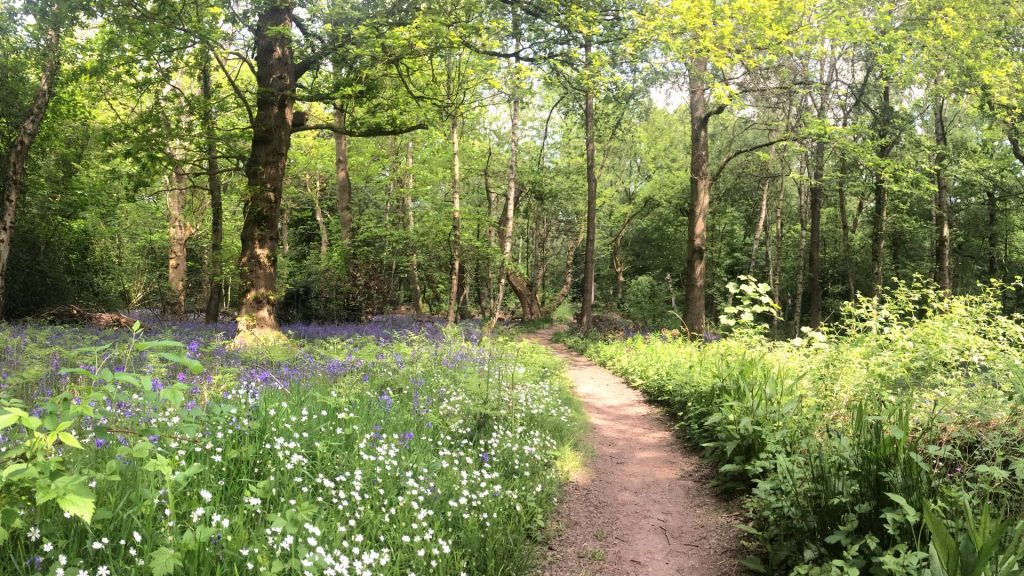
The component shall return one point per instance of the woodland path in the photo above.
(641, 505)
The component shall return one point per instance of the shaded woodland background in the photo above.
(444, 158)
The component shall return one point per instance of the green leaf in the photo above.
(69, 440)
(909, 510)
(7, 420)
(943, 547)
(158, 345)
(78, 504)
(164, 561)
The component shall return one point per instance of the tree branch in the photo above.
(367, 133)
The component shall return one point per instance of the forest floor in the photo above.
(641, 505)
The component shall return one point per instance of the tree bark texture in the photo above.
(942, 229)
(264, 171)
(178, 232)
(456, 236)
(700, 194)
(344, 180)
(586, 318)
(213, 180)
(17, 151)
(510, 212)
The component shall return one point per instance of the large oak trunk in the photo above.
(700, 195)
(264, 171)
(14, 175)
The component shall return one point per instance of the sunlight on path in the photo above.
(641, 505)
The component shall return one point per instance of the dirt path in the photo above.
(642, 505)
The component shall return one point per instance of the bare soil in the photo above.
(642, 504)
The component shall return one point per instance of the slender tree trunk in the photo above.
(510, 204)
(775, 262)
(213, 180)
(177, 234)
(881, 191)
(492, 235)
(586, 318)
(700, 195)
(942, 233)
(762, 217)
(314, 188)
(845, 222)
(567, 277)
(817, 196)
(803, 207)
(264, 170)
(816, 193)
(992, 205)
(410, 223)
(343, 179)
(286, 216)
(453, 296)
(17, 156)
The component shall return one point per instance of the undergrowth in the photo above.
(424, 455)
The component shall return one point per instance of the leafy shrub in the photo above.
(646, 304)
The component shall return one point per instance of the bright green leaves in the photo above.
(72, 494)
(164, 561)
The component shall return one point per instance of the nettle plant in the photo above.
(749, 304)
(34, 468)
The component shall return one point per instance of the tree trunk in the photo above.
(775, 262)
(942, 233)
(453, 295)
(816, 192)
(213, 180)
(177, 235)
(762, 217)
(801, 255)
(510, 210)
(343, 179)
(992, 204)
(845, 222)
(487, 289)
(570, 254)
(286, 217)
(14, 176)
(410, 223)
(313, 188)
(881, 191)
(586, 318)
(700, 194)
(264, 171)
(527, 296)
(817, 196)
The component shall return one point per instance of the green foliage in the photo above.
(646, 303)
(890, 446)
